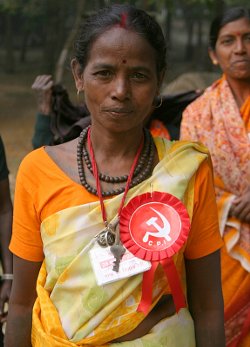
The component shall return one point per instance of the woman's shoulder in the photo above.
(175, 147)
(44, 157)
(35, 168)
(35, 158)
(204, 98)
(36, 165)
(188, 145)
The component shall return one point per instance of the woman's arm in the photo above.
(23, 295)
(43, 87)
(42, 133)
(205, 300)
(5, 235)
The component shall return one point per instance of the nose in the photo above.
(239, 47)
(120, 88)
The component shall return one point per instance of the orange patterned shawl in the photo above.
(215, 120)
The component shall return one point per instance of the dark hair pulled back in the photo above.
(126, 16)
(229, 15)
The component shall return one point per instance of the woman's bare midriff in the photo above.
(164, 308)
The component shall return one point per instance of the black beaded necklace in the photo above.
(142, 171)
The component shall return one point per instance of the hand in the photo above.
(4, 298)
(241, 207)
(42, 85)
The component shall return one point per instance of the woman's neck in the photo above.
(116, 143)
(240, 90)
(115, 152)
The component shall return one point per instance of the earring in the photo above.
(160, 103)
(215, 62)
(78, 95)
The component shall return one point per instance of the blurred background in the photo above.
(36, 37)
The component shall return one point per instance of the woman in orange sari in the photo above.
(65, 291)
(220, 120)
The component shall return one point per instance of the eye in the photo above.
(138, 76)
(227, 41)
(104, 74)
(247, 37)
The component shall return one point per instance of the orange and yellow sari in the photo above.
(71, 309)
(216, 120)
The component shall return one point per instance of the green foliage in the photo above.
(10, 6)
(33, 8)
(29, 8)
(214, 3)
(244, 3)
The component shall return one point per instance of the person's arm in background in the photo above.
(6, 210)
(42, 133)
(23, 296)
(5, 235)
(26, 246)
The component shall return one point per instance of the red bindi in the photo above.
(123, 23)
(238, 34)
(124, 61)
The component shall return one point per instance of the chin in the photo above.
(239, 75)
(244, 77)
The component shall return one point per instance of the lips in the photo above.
(118, 111)
(242, 61)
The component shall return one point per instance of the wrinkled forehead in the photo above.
(124, 43)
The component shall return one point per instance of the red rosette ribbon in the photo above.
(153, 227)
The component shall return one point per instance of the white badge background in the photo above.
(102, 262)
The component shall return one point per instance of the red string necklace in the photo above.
(98, 184)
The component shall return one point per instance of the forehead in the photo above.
(122, 44)
(239, 26)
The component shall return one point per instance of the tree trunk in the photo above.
(219, 7)
(189, 46)
(199, 48)
(54, 32)
(23, 49)
(59, 70)
(50, 45)
(168, 28)
(9, 49)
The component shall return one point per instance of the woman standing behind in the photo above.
(220, 119)
(72, 201)
(5, 234)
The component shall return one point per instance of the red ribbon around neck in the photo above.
(96, 175)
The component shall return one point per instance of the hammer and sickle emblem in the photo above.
(161, 231)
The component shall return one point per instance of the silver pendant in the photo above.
(107, 237)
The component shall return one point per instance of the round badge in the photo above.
(154, 226)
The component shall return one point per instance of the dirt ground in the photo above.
(18, 109)
(17, 115)
(17, 118)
